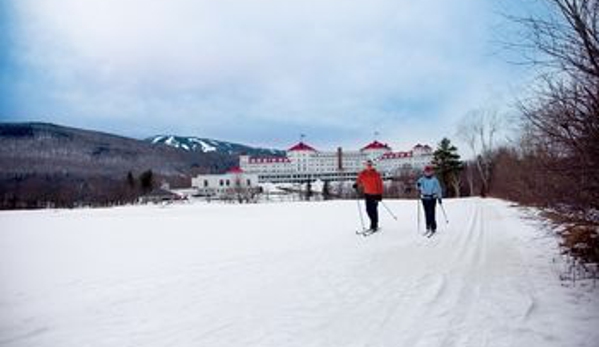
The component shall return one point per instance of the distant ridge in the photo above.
(44, 164)
(50, 148)
(34, 147)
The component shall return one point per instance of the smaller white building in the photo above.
(233, 183)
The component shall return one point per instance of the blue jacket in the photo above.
(429, 187)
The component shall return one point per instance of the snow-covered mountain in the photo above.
(44, 148)
(196, 144)
(47, 163)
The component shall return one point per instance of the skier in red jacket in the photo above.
(369, 180)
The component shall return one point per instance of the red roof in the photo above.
(235, 170)
(301, 147)
(376, 145)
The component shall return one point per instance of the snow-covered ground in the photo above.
(288, 274)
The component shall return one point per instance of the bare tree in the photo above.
(479, 129)
(456, 183)
(557, 165)
(563, 119)
(564, 38)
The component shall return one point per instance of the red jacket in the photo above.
(371, 182)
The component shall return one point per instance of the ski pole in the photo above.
(388, 210)
(444, 214)
(360, 213)
(418, 207)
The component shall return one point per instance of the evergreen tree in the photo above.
(147, 181)
(326, 191)
(130, 180)
(309, 192)
(448, 166)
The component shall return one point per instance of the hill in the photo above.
(47, 148)
(43, 164)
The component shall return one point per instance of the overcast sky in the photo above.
(260, 72)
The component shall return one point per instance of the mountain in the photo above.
(203, 145)
(45, 164)
(48, 148)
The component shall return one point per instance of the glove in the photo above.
(355, 186)
(379, 198)
(440, 201)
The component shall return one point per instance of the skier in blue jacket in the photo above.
(430, 193)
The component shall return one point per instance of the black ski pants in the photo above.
(429, 212)
(372, 203)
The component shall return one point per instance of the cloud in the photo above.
(250, 68)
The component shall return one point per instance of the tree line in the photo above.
(66, 190)
(553, 160)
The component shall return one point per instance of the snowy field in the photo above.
(288, 274)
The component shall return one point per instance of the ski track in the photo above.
(303, 280)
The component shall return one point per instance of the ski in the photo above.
(429, 233)
(368, 232)
(362, 232)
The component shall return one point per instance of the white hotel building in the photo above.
(304, 163)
